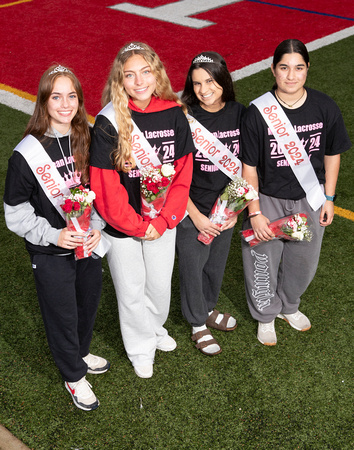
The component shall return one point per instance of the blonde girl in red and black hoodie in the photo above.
(142, 250)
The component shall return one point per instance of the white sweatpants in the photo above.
(141, 272)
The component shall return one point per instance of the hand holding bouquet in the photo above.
(296, 227)
(236, 196)
(154, 184)
(77, 210)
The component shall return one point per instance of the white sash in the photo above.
(214, 150)
(142, 151)
(44, 170)
(50, 180)
(293, 150)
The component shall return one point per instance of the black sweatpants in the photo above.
(68, 293)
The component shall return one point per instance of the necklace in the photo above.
(287, 104)
(71, 156)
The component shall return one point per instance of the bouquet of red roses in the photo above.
(236, 196)
(77, 210)
(296, 227)
(154, 184)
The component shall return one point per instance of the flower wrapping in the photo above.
(237, 195)
(154, 184)
(77, 210)
(296, 227)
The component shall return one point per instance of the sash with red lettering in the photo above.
(292, 148)
(214, 150)
(50, 180)
(142, 151)
(44, 170)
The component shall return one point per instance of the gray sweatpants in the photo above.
(201, 270)
(278, 272)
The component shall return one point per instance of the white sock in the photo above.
(212, 348)
(230, 323)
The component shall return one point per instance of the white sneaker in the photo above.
(82, 394)
(168, 344)
(266, 333)
(297, 320)
(144, 371)
(96, 364)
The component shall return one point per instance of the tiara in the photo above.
(132, 47)
(59, 69)
(202, 59)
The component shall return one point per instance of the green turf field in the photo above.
(296, 395)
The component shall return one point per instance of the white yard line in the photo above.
(314, 45)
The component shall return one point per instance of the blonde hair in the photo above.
(39, 123)
(114, 92)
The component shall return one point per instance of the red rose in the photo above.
(67, 206)
(77, 206)
(153, 188)
(165, 182)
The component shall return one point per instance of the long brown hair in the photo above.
(114, 92)
(39, 123)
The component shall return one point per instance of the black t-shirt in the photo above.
(320, 127)
(208, 181)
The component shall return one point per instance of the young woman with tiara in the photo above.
(292, 138)
(55, 147)
(210, 96)
(140, 104)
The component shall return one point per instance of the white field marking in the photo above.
(177, 12)
(311, 46)
(19, 102)
(16, 101)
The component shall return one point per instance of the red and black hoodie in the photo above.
(118, 193)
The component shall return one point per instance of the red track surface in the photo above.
(86, 35)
